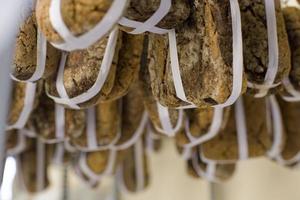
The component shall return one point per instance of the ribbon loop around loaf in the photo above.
(27, 107)
(273, 52)
(85, 40)
(212, 132)
(149, 24)
(40, 59)
(100, 81)
(237, 65)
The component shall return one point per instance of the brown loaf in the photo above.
(80, 16)
(141, 10)
(149, 101)
(290, 115)
(42, 120)
(204, 45)
(18, 98)
(26, 52)
(225, 145)
(292, 23)
(107, 125)
(255, 41)
(129, 170)
(28, 167)
(82, 68)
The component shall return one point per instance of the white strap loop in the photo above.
(21, 145)
(295, 95)
(273, 52)
(27, 107)
(165, 120)
(85, 40)
(241, 128)
(137, 134)
(214, 129)
(94, 176)
(237, 68)
(277, 128)
(40, 61)
(100, 81)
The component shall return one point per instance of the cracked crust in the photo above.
(149, 101)
(26, 52)
(290, 115)
(79, 16)
(82, 68)
(204, 45)
(225, 146)
(255, 41)
(292, 23)
(141, 10)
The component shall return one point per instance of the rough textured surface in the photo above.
(225, 146)
(290, 115)
(97, 161)
(204, 45)
(149, 101)
(42, 120)
(292, 23)
(80, 16)
(141, 10)
(107, 125)
(26, 52)
(255, 41)
(129, 171)
(28, 167)
(82, 69)
(17, 100)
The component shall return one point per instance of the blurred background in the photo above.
(258, 179)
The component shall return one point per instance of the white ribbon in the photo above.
(276, 150)
(40, 61)
(40, 163)
(214, 129)
(89, 181)
(85, 40)
(237, 52)
(241, 128)
(21, 145)
(139, 165)
(295, 95)
(94, 176)
(273, 52)
(91, 134)
(209, 173)
(137, 134)
(150, 138)
(27, 107)
(59, 154)
(150, 24)
(277, 128)
(165, 120)
(101, 78)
